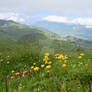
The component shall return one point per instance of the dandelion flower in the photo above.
(25, 72)
(8, 62)
(48, 66)
(32, 67)
(63, 65)
(8, 57)
(17, 73)
(34, 63)
(42, 66)
(46, 54)
(81, 54)
(50, 62)
(12, 71)
(48, 71)
(12, 77)
(36, 68)
(79, 57)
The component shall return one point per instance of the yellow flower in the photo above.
(79, 57)
(48, 71)
(50, 62)
(48, 66)
(25, 72)
(46, 62)
(36, 68)
(46, 58)
(8, 62)
(8, 57)
(46, 54)
(17, 73)
(81, 54)
(60, 57)
(23, 75)
(63, 65)
(34, 63)
(12, 77)
(42, 66)
(32, 67)
(12, 71)
(56, 55)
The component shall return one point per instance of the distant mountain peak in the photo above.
(5, 22)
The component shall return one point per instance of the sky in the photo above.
(30, 11)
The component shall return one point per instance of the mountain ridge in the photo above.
(65, 29)
(15, 33)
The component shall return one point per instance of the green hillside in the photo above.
(35, 60)
(14, 35)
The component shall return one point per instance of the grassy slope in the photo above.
(27, 46)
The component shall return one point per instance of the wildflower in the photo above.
(12, 77)
(34, 63)
(50, 62)
(61, 56)
(79, 57)
(46, 54)
(23, 75)
(8, 57)
(81, 54)
(42, 66)
(25, 72)
(56, 55)
(48, 66)
(48, 71)
(63, 65)
(46, 62)
(36, 68)
(12, 71)
(8, 62)
(46, 58)
(17, 73)
(32, 67)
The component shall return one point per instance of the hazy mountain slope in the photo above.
(15, 30)
(64, 29)
(13, 34)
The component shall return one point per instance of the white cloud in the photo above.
(81, 21)
(56, 19)
(11, 16)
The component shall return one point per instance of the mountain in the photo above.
(65, 29)
(16, 36)
(16, 30)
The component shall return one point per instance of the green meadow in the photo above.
(35, 60)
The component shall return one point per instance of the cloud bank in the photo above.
(82, 21)
(11, 16)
